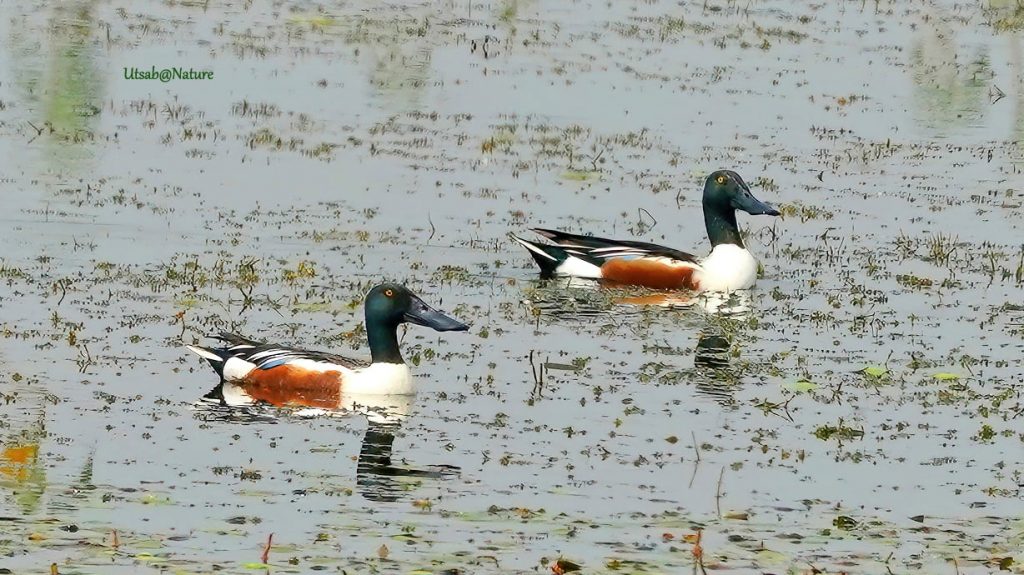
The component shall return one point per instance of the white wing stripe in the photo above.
(533, 248)
(613, 252)
(268, 353)
(204, 354)
(617, 249)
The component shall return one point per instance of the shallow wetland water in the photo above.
(859, 411)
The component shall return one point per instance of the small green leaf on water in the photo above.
(255, 565)
(313, 20)
(946, 376)
(874, 371)
(151, 499)
(800, 386)
(581, 175)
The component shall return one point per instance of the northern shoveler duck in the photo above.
(282, 375)
(729, 267)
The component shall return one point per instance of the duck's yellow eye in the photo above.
(720, 179)
(389, 293)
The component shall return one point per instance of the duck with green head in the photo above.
(729, 267)
(282, 375)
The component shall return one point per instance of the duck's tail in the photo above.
(548, 257)
(216, 357)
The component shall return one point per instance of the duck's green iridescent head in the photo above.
(393, 304)
(389, 305)
(724, 193)
(725, 188)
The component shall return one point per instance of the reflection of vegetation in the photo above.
(397, 47)
(1018, 86)
(72, 81)
(1008, 16)
(508, 10)
(21, 471)
(400, 72)
(61, 71)
(948, 94)
(1005, 15)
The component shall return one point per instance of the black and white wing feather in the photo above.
(266, 355)
(598, 250)
(269, 355)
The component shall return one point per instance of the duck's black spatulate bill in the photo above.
(422, 314)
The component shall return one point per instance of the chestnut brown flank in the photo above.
(649, 273)
(287, 385)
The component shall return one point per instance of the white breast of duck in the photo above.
(379, 378)
(729, 267)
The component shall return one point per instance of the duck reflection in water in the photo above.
(378, 478)
(574, 297)
(715, 377)
(714, 374)
(712, 351)
(735, 304)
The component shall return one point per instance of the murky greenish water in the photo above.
(859, 412)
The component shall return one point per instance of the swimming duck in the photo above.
(729, 267)
(282, 375)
